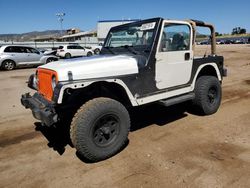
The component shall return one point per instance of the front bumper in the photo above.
(41, 108)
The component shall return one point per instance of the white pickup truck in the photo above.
(142, 62)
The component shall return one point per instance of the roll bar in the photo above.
(198, 23)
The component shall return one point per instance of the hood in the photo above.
(94, 67)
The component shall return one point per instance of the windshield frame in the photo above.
(141, 49)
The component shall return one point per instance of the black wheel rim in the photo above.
(106, 130)
(212, 95)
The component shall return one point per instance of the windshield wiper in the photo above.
(109, 49)
(130, 49)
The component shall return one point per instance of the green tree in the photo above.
(243, 31)
(238, 30)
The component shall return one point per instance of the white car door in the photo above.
(34, 55)
(174, 56)
(71, 49)
(81, 51)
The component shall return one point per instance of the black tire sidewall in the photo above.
(204, 83)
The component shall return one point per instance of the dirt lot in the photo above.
(167, 148)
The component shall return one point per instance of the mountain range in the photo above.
(30, 35)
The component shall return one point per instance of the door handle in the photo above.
(187, 56)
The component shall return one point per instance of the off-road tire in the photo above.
(89, 121)
(8, 65)
(67, 56)
(207, 95)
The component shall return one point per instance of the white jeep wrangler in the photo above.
(142, 62)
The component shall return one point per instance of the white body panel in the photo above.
(171, 67)
(94, 67)
(172, 70)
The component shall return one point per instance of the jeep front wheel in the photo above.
(207, 95)
(100, 128)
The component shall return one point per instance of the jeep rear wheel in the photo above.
(100, 128)
(207, 95)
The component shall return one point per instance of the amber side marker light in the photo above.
(47, 82)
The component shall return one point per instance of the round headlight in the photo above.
(53, 82)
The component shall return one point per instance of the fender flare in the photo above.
(83, 84)
(214, 65)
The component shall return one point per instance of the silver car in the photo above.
(22, 56)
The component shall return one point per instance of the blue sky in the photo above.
(18, 16)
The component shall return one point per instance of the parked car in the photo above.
(228, 41)
(22, 56)
(239, 41)
(220, 42)
(206, 42)
(68, 51)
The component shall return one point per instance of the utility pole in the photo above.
(60, 19)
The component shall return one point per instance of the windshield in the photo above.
(137, 35)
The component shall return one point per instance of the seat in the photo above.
(178, 42)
